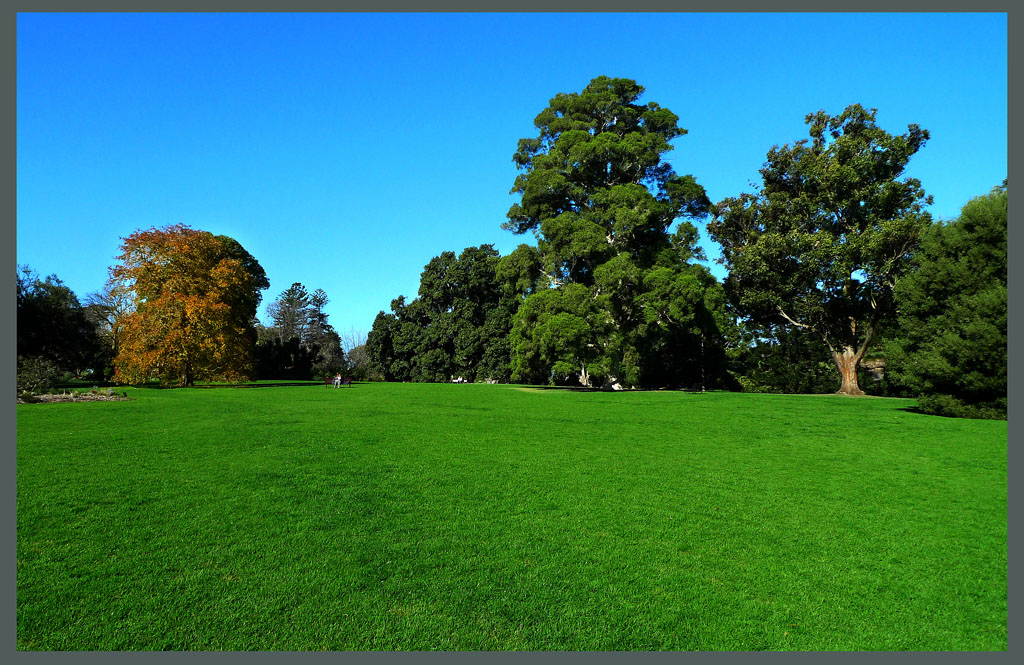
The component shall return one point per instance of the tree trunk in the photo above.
(584, 376)
(847, 362)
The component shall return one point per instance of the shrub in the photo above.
(36, 374)
(948, 405)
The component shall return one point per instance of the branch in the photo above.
(795, 323)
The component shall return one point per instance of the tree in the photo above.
(106, 310)
(52, 324)
(283, 360)
(823, 242)
(951, 348)
(559, 333)
(322, 335)
(457, 326)
(594, 183)
(300, 343)
(601, 199)
(194, 301)
(359, 363)
(380, 345)
(290, 313)
(356, 355)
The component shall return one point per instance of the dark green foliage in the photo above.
(951, 348)
(52, 324)
(587, 178)
(785, 359)
(37, 374)
(300, 343)
(458, 326)
(321, 335)
(558, 334)
(248, 301)
(828, 233)
(284, 359)
(521, 272)
(631, 307)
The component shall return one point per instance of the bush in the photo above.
(947, 405)
(36, 375)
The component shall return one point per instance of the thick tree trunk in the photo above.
(847, 362)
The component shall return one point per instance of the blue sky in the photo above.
(344, 151)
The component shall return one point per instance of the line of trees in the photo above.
(300, 343)
(836, 272)
(179, 307)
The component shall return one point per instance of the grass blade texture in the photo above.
(450, 517)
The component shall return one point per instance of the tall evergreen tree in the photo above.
(599, 195)
(289, 313)
(951, 348)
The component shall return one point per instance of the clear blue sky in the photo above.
(344, 151)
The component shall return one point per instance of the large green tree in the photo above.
(824, 240)
(457, 326)
(594, 182)
(951, 345)
(602, 200)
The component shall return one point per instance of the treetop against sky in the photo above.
(344, 151)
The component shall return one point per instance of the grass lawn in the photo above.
(422, 517)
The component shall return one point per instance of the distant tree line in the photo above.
(837, 280)
(180, 306)
(300, 343)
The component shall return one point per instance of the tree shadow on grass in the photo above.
(218, 386)
(274, 384)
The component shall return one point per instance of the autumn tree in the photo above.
(824, 240)
(194, 298)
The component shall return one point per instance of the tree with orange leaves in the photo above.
(194, 298)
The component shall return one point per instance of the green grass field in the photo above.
(426, 517)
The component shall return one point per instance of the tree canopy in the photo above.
(457, 326)
(830, 231)
(594, 182)
(601, 199)
(194, 297)
(52, 324)
(951, 345)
